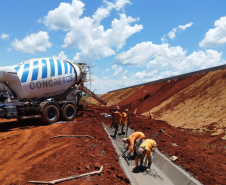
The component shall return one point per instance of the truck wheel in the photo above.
(69, 113)
(50, 114)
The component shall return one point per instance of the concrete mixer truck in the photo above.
(45, 88)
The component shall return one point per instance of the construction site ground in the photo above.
(28, 153)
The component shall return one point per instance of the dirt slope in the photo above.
(153, 95)
(199, 105)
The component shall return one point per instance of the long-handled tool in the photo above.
(67, 178)
(128, 120)
(159, 132)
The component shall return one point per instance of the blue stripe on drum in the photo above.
(59, 67)
(70, 68)
(25, 73)
(65, 67)
(17, 68)
(35, 71)
(52, 67)
(44, 69)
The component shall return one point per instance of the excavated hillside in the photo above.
(197, 106)
(195, 102)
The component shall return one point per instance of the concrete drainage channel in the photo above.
(163, 171)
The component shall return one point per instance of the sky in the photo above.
(128, 42)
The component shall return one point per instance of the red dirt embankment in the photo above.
(153, 95)
(28, 153)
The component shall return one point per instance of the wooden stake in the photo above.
(71, 136)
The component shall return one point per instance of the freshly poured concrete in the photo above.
(163, 171)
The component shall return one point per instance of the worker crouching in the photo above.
(133, 141)
(146, 149)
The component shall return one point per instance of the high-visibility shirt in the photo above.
(132, 139)
(118, 116)
(124, 117)
(148, 144)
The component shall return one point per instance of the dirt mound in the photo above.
(153, 95)
(199, 105)
(28, 153)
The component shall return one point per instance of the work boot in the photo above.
(136, 169)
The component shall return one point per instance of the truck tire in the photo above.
(50, 114)
(69, 113)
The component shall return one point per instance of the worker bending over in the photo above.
(147, 148)
(118, 120)
(124, 119)
(133, 141)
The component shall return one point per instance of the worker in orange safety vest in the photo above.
(133, 141)
(117, 121)
(147, 148)
(124, 119)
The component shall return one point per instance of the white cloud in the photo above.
(86, 33)
(94, 42)
(124, 78)
(125, 72)
(103, 12)
(163, 60)
(106, 70)
(201, 60)
(105, 84)
(34, 42)
(143, 52)
(65, 16)
(9, 49)
(61, 56)
(216, 36)
(4, 36)
(183, 27)
(116, 69)
(163, 39)
(172, 33)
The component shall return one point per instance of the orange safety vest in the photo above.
(132, 139)
(117, 116)
(124, 117)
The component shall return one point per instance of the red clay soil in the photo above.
(153, 95)
(201, 155)
(28, 153)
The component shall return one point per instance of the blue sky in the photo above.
(127, 41)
